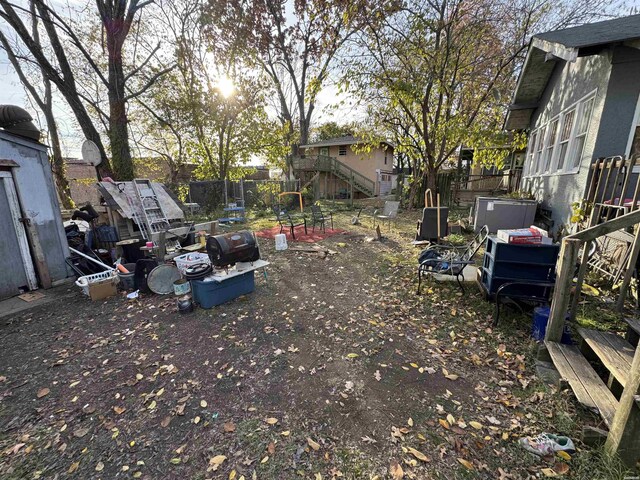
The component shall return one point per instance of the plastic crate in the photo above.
(519, 271)
(188, 259)
(210, 294)
(84, 281)
(522, 254)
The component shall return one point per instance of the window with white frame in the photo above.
(539, 150)
(530, 153)
(565, 138)
(581, 132)
(550, 145)
(558, 146)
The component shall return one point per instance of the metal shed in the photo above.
(33, 245)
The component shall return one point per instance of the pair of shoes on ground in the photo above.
(547, 443)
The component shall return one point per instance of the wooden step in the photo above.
(587, 386)
(633, 330)
(613, 351)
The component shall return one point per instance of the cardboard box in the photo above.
(103, 289)
(521, 236)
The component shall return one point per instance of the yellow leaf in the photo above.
(74, 466)
(312, 444)
(175, 461)
(160, 392)
(203, 403)
(352, 355)
(410, 422)
(265, 459)
(232, 474)
(196, 420)
(467, 464)
(451, 419)
(139, 376)
(452, 376)
(419, 455)
(73, 384)
(548, 472)
(217, 460)
(505, 435)
(272, 421)
(99, 467)
(119, 410)
(286, 433)
(444, 423)
(414, 365)
(137, 474)
(564, 455)
(152, 405)
(476, 425)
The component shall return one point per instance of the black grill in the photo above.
(228, 249)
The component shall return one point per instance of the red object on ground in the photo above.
(310, 237)
(121, 268)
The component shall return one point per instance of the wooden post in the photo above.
(584, 261)
(562, 292)
(351, 184)
(631, 265)
(624, 434)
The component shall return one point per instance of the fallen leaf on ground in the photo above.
(476, 425)
(119, 410)
(418, 454)
(444, 423)
(396, 470)
(313, 444)
(286, 433)
(352, 355)
(165, 421)
(271, 448)
(74, 466)
(467, 464)
(43, 392)
(410, 422)
(561, 468)
(99, 467)
(175, 461)
(203, 403)
(271, 420)
(216, 461)
(81, 432)
(229, 427)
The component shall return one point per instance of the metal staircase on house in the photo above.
(331, 165)
(152, 214)
(609, 353)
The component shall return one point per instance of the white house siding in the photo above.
(36, 190)
(569, 83)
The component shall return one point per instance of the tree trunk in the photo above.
(121, 160)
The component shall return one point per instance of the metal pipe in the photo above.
(90, 258)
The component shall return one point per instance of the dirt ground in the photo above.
(332, 368)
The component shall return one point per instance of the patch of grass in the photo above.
(597, 465)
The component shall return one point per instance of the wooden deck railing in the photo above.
(624, 433)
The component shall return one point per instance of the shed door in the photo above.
(16, 268)
(385, 184)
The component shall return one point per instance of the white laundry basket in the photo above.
(188, 259)
(84, 281)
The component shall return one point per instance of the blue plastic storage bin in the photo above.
(539, 328)
(210, 294)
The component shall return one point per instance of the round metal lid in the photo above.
(160, 279)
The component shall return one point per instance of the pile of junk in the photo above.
(204, 269)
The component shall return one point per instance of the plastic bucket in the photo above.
(539, 327)
(181, 287)
(281, 241)
(127, 280)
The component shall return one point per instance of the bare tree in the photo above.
(44, 101)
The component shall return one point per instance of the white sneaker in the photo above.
(547, 443)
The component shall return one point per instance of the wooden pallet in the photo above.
(587, 386)
(615, 353)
